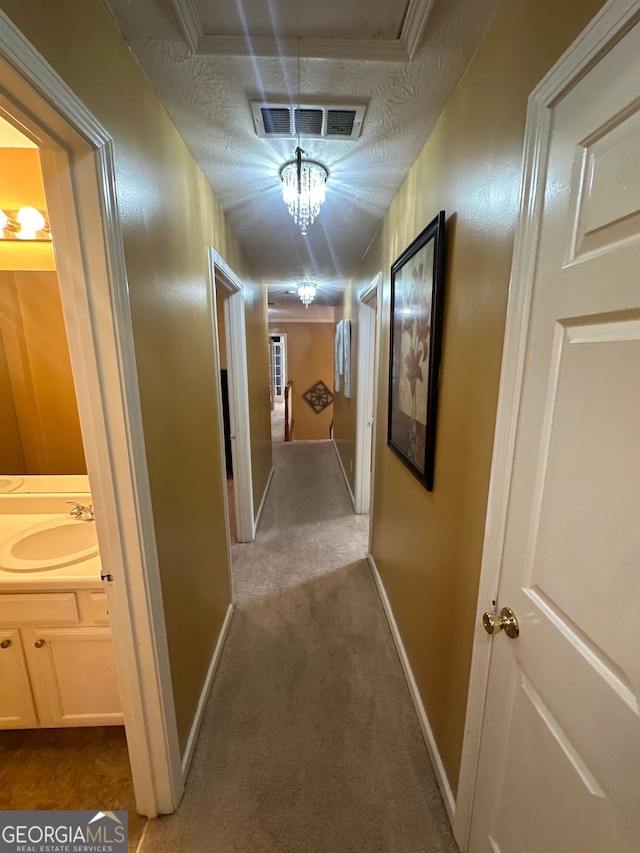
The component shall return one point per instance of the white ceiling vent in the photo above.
(273, 121)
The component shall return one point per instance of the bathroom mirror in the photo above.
(41, 445)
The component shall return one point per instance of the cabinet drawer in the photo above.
(92, 604)
(55, 608)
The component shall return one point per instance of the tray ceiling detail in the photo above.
(210, 97)
(373, 32)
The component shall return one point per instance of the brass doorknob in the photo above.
(39, 644)
(5, 644)
(506, 622)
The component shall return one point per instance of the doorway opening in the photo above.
(77, 168)
(368, 325)
(278, 388)
(223, 372)
(555, 525)
(60, 709)
(230, 331)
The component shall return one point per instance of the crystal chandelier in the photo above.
(307, 292)
(303, 188)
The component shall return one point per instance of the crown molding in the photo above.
(310, 48)
(415, 21)
(190, 22)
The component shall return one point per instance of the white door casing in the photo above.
(234, 317)
(77, 161)
(559, 748)
(368, 326)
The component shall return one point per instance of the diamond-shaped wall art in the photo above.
(318, 396)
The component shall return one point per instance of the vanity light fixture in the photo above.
(27, 223)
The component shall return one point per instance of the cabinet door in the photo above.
(17, 710)
(73, 676)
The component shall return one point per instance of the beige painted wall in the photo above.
(427, 546)
(310, 356)
(170, 217)
(42, 393)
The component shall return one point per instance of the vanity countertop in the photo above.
(18, 513)
(85, 575)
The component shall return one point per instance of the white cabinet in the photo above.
(58, 667)
(17, 710)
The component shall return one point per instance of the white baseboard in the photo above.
(204, 695)
(144, 832)
(262, 502)
(434, 755)
(344, 473)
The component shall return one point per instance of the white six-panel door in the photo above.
(560, 748)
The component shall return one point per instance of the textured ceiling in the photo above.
(183, 47)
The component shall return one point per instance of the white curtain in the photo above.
(343, 356)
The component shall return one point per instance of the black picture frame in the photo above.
(417, 302)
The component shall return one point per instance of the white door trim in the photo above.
(367, 351)
(222, 453)
(238, 395)
(97, 314)
(615, 18)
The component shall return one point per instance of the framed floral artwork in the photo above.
(417, 294)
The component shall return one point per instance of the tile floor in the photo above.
(75, 768)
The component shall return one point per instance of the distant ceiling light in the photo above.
(303, 188)
(307, 292)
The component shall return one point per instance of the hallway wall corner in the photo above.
(204, 695)
(344, 474)
(262, 502)
(427, 732)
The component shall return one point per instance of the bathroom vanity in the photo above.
(56, 657)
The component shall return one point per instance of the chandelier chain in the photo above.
(303, 181)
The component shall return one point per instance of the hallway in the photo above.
(310, 741)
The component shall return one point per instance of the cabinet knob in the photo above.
(5, 644)
(39, 644)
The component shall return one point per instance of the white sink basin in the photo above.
(10, 484)
(49, 545)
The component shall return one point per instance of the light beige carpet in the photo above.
(310, 742)
(277, 422)
(308, 527)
